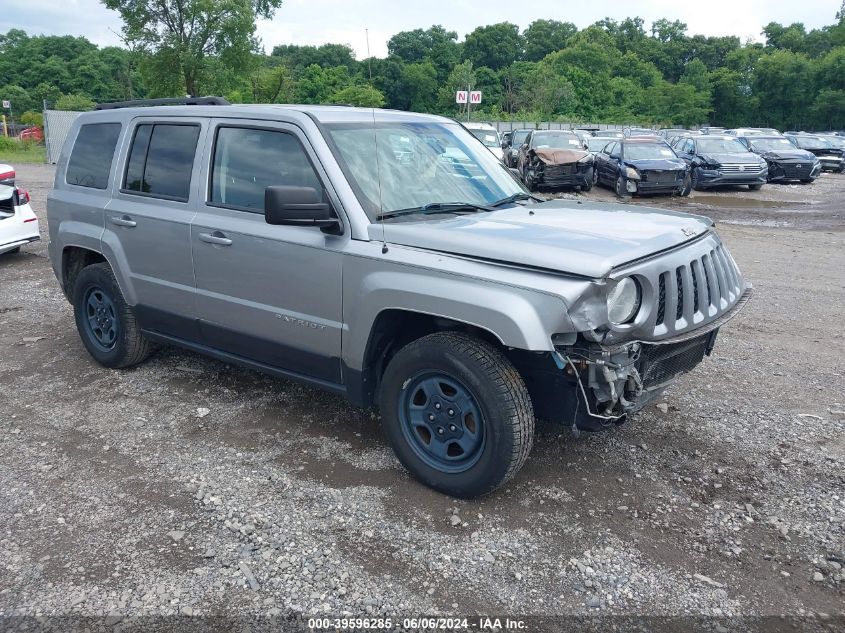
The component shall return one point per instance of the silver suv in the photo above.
(385, 256)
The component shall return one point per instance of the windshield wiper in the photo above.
(434, 208)
(519, 195)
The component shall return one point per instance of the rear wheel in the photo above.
(807, 181)
(457, 413)
(17, 249)
(105, 322)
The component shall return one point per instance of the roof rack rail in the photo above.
(139, 103)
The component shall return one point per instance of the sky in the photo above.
(318, 22)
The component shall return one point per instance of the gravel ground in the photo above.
(186, 486)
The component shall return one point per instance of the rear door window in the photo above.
(161, 160)
(92, 154)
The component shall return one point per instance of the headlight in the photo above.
(632, 173)
(586, 160)
(623, 301)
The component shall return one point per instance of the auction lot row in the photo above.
(188, 486)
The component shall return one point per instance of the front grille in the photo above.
(740, 168)
(661, 363)
(660, 177)
(697, 291)
(794, 172)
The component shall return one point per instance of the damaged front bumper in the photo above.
(613, 381)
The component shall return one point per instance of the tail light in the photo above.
(23, 196)
(7, 177)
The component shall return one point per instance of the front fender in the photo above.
(518, 317)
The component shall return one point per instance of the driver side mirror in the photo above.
(298, 206)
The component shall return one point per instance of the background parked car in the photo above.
(786, 162)
(32, 134)
(832, 158)
(641, 165)
(488, 135)
(511, 145)
(18, 222)
(553, 159)
(722, 160)
(637, 131)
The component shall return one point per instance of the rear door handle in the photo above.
(124, 221)
(216, 238)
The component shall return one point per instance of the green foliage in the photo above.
(494, 46)
(74, 102)
(361, 95)
(623, 71)
(32, 118)
(184, 34)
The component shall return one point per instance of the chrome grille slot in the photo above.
(661, 299)
(695, 290)
(679, 293)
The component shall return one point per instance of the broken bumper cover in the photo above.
(573, 175)
(613, 381)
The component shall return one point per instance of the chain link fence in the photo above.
(57, 124)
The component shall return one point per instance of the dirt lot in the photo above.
(189, 486)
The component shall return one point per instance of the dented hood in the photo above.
(553, 156)
(588, 239)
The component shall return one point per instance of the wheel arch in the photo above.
(393, 329)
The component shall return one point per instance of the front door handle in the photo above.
(216, 238)
(124, 221)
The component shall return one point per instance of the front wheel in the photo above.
(756, 187)
(105, 322)
(695, 178)
(686, 186)
(457, 413)
(807, 181)
(529, 182)
(621, 191)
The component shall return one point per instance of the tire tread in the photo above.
(507, 381)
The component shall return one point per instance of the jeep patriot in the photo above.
(385, 256)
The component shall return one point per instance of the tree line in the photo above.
(611, 71)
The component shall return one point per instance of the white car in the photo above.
(488, 135)
(18, 222)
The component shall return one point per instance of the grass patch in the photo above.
(25, 153)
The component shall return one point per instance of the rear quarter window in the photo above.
(91, 158)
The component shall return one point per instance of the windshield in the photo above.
(721, 146)
(418, 164)
(835, 141)
(519, 138)
(598, 144)
(772, 145)
(489, 137)
(641, 151)
(813, 142)
(555, 140)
